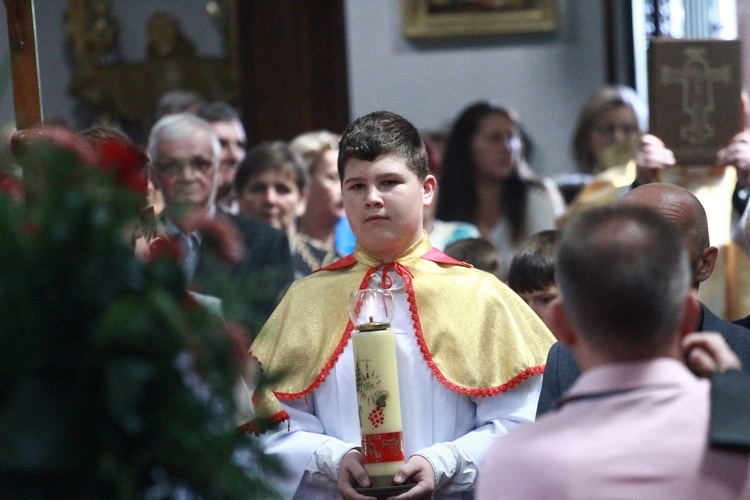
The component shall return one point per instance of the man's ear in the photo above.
(560, 324)
(428, 189)
(706, 263)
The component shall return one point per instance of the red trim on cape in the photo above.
(493, 391)
(336, 353)
(435, 255)
(257, 428)
(343, 262)
(480, 392)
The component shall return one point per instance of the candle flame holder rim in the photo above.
(373, 326)
(371, 309)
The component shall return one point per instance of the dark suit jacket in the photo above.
(744, 322)
(251, 289)
(562, 370)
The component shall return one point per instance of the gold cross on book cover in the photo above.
(694, 91)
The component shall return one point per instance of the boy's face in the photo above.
(541, 301)
(384, 201)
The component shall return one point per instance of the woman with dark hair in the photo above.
(487, 181)
(271, 186)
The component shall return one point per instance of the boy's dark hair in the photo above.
(533, 267)
(273, 155)
(383, 133)
(177, 101)
(478, 252)
(218, 111)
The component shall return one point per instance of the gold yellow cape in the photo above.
(476, 335)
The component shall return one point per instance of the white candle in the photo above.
(379, 403)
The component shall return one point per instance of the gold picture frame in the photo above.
(469, 18)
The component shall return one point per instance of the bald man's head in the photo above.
(683, 209)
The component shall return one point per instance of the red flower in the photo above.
(163, 248)
(127, 164)
(220, 234)
(11, 187)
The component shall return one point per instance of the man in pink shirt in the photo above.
(636, 422)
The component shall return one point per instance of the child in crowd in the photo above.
(478, 252)
(532, 272)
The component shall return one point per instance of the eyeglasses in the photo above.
(174, 167)
(609, 129)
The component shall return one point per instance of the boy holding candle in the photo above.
(470, 352)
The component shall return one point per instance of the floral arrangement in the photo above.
(115, 384)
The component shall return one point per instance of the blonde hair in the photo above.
(310, 146)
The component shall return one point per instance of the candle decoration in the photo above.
(376, 371)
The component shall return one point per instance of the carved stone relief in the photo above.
(117, 91)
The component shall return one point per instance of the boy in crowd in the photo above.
(478, 252)
(532, 272)
(469, 351)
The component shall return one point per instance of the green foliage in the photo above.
(115, 383)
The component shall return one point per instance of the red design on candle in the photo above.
(377, 417)
(380, 448)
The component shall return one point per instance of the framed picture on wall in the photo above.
(464, 18)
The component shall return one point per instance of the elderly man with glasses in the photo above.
(185, 153)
